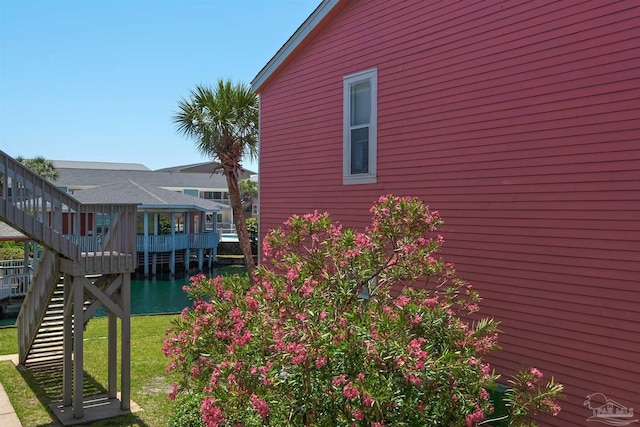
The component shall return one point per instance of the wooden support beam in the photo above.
(112, 356)
(67, 343)
(106, 301)
(125, 345)
(78, 348)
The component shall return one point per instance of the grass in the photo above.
(31, 392)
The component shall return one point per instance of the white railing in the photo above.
(14, 285)
(203, 240)
(11, 263)
(13, 267)
(36, 301)
(180, 241)
(226, 227)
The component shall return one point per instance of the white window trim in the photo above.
(365, 178)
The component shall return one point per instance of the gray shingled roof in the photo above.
(71, 177)
(145, 196)
(9, 233)
(73, 164)
(204, 167)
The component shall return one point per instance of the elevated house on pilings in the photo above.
(198, 180)
(173, 229)
(78, 271)
(15, 274)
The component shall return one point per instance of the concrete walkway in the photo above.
(8, 417)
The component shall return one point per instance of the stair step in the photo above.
(50, 328)
(45, 361)
(41, 354)
(45, 342)
(48, 334)
(44, 338)
(47, 324)
(54, 345)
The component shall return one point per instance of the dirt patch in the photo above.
(157, 385)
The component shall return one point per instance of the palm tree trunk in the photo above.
(241, 224)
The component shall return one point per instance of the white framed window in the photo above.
(360, 103)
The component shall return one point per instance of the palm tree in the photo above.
(248, 192)
(41, 166)
(224, 122)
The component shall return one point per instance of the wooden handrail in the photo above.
(36, 301)
(58, 221)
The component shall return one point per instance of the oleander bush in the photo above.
(342, 328)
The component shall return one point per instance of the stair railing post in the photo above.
(113, 355)
(78, 350)
(67, 344)
(125, 356)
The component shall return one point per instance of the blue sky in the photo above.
(100, 80)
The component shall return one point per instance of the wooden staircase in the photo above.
(88, 257)
(47, 347)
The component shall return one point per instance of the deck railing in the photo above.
(11, 263)
(180, 241)
(36, 301)
(54, 218)
(35, 206)
(14, 285)
(107, 237)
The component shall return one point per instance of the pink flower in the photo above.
(402, 301)
(173, 391)
(339, 380)
(358, 415)
(260, 406)
(368, 401)
(350, 391)
(536, 373)
(472, 420)
(252, 304)
(552, 405)
(432, 302)
(413, 379)
(211, 414)
(320, 362)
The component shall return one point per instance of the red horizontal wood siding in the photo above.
(520, 122)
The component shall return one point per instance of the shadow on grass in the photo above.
(46, 383)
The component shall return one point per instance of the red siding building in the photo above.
(519, 121)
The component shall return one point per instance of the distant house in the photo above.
(10, 234)
(173, 228)
(519, 122)
(196, 180)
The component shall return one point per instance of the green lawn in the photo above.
(31, 392)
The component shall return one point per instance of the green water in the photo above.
(160, 294)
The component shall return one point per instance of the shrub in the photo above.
(188, 412)
(341, 328)
(11, 250)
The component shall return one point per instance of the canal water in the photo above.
(158, 295)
